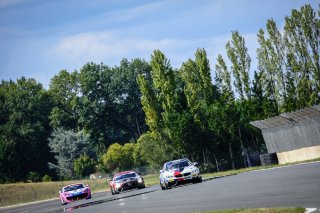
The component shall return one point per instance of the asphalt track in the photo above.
(290, 186)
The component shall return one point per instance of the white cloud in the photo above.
(104, 46)
(110, 48)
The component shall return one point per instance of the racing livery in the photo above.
(74, 192)
(179, 171)
(126, 180)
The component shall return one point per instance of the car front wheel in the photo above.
(142, 186)
(112, 190)
(197, 180)
(63, 203)
(162, 187)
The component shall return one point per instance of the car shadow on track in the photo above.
(68, 209)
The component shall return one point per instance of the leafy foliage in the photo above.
(46, 178)
(68, 146)
(119, 157)
(84, 166)
(24, 129)
(155, 150)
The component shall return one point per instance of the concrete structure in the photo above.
(293, 136)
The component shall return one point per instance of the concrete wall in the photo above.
(303, 154)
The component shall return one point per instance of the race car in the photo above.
(179, 171)
(126, 180)
(74, 192)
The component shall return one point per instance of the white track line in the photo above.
(309, 210)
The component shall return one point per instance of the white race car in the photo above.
(179, 171)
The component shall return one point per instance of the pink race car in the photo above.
(74, 192)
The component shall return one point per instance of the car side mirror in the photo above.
(195, 163)
(139, 173)
(161, 171)
(87, 185)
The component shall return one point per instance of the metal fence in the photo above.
(291, 131)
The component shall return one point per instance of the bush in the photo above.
(46, 178)
(33, 177)
(155, 149)
(84, 166)
(119, 157)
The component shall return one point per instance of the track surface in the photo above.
(279, 187)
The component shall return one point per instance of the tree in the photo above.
(155, 150)
(203, 66)
(240, 60)
(268, 68)
(64, 89)
(24, 128)
(84, 166)
(302, 39)
(200, 93)
(67, 146)
(119, 157)
(164, 83)
(150, 105)
(110, 103)
(222, 117)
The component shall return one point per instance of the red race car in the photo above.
(126, 180)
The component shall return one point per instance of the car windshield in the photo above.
(72, 187)
(129, 175)
(177, 164)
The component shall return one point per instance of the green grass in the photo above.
(260, 210)
(151, 179)
(17, 193)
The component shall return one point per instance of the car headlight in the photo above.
(195, 171)
(140, 180)
(118, 185)
(66, 194)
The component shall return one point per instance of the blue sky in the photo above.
(38, 38)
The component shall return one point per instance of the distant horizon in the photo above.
(41, 38)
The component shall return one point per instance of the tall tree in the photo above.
(240, 60)
(64, 88)
(302, 37)
(222, 114)
(240, 66)
(110, 103)
(150, 105)
(268, 68)
(24, 129)
(203, 66)
(276, 47)
(163, 81)
(198, 86)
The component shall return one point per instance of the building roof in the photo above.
(291, 118)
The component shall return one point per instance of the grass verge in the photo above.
(260, 210)
(17, 193)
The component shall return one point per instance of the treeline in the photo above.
(144, 113)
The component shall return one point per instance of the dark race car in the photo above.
(126, 180)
